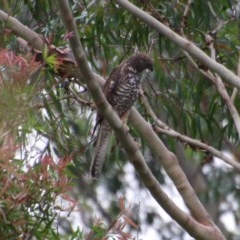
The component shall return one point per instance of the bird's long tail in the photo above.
(103, 140)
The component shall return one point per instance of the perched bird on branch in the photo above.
(121, 90)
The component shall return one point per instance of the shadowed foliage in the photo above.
(47, 118)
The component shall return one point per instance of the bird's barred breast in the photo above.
(124, 97)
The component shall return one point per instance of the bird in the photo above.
(121, 90)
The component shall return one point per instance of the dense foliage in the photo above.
(47, 119)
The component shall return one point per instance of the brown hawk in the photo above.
(121, 90)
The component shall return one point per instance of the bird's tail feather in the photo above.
(103, 141)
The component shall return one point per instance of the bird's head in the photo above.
(140, 62)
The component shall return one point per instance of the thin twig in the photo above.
(184, 17)
(235, 90)
(195, 228)
(183, 43)
(222, 90)
(80, 100)
(165, 129)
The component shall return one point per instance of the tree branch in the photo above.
(34, 40)
(22, 31)
(222, 90)
(184, 17)
(174, 171)
(194, 228)
(165, 129)
(185, 44)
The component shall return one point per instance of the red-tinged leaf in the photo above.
(68, 35)
(20, 222)
(62, 163)
(125, 235)
(20, 198)
(130, 222)
(122, 226)
(47, 161)
(122, 204)
(68, 198)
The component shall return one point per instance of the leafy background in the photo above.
(41, 113)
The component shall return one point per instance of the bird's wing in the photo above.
(109, 86)
(103, 140)
(112, 81)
